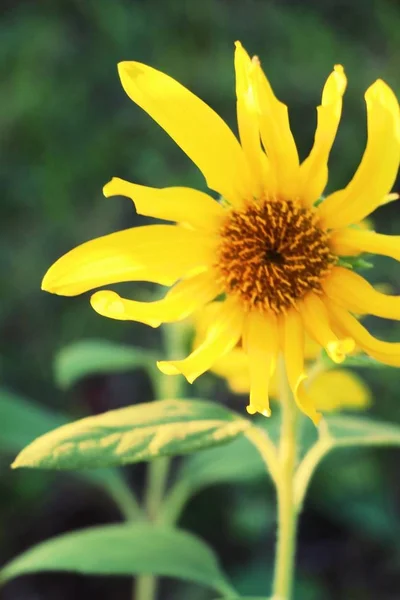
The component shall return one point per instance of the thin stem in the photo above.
(287, 516)
(260, 439)
(166, 387)
(307, 467)
(125, 499)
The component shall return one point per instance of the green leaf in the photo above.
(358, 360)
(127, 549)
(133, 434)
(354, 262)
(91, 357)
(22, 420)
(237, 462)
(361, 431)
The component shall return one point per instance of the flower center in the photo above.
(271, 254)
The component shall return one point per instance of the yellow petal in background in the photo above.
(222, 335)
(261, 344)
(276, 134)
(314, 170)
(193, 125)
(183, 299)
(316, 321)
(355, 293)
(292, 343)
(350, 241)
(157, 253)
(248, 124)
(339, 389)
(377, 172)
(183, 205)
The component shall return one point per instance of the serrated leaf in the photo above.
(134, 434)
(361, 431)
(92, 357)
(127, 549)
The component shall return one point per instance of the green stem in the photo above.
(166, 387)
(287, 514)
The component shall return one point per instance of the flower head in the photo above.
(270, 247)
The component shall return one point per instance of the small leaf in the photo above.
(361, 431)
(134, 434)
(93, 357)
(128, 549)
(354, 262)
(358, 360)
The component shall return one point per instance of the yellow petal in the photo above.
(183, 205)
(292, 332)
(349, 241)
(316, 321)
(276, 134)
(386, 352)
(158, 253)
(194, 126)
(247, 117)
(352, 291)
(314, 170)
(184, 298)
(261, 344)
(377, 172)
(338, 389)
(222, 335)
(311, 348)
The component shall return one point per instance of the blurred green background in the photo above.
(66, 128)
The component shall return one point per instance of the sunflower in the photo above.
(270, 247)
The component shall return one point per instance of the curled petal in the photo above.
(193, 125)
(183, 205)
(386, 352)
(183, 299)
(292, 332)
(157, 253)
(377, 172)
(222, 335)
(355, 293)
(314, 170)
(316, 321)
(349, 241)
(261, 344)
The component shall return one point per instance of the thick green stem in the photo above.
(287, 515)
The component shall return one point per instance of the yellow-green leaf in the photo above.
(127, 549)
(133, 434)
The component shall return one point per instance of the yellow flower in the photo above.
(329, 390)
(269, 247)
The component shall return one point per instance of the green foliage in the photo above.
(360, 431)
(22, 420)
(134, 434)
(358, 360)
(128, 549)
(92, 357)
